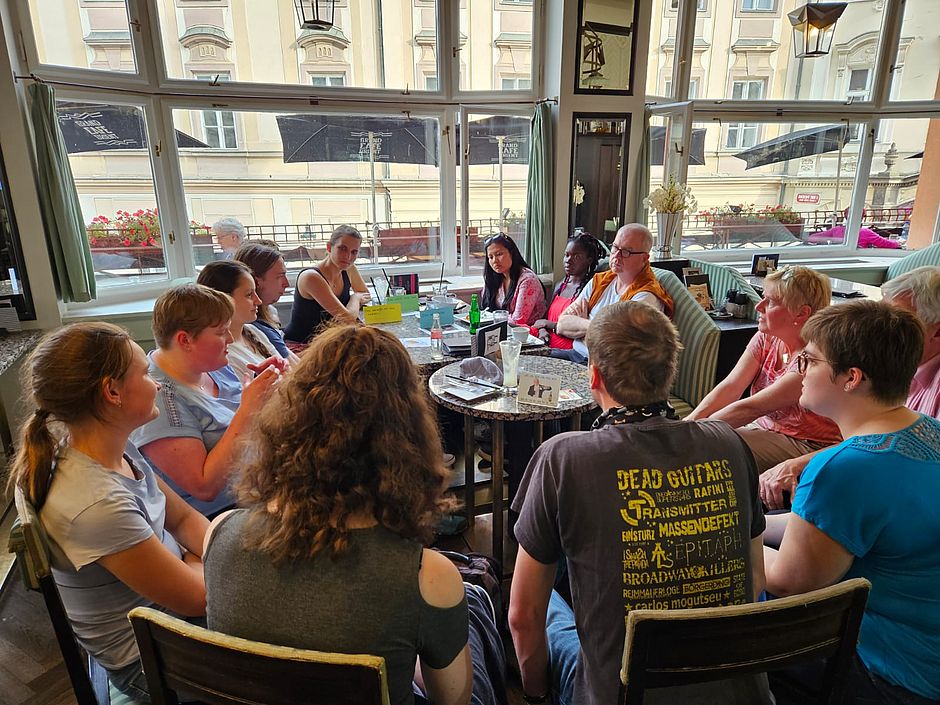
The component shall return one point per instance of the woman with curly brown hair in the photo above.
(344, 485)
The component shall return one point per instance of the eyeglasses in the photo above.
(623, 252)
(803, 360)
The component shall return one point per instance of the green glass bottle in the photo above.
(474, 314)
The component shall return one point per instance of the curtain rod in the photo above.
(307, 99)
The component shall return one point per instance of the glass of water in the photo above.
(510, 350)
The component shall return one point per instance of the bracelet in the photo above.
(535, 699)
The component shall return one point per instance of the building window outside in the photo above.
(859, 90)
(742, 135)
(431, 83)
(757, 5)
(328, 79)
(218, 125)
(693, 88)
(516, 84)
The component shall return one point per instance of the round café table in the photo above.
(499, 408)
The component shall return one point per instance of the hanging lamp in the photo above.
(814, 25)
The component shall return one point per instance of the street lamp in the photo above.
(813, 27)
(315, 14)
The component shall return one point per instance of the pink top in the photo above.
(866, 238)
(528, 302)
(925, 388)
(794, 420)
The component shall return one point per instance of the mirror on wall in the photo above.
(599, 173)
(605, 46)
(14, 286)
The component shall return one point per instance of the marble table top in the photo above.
(410, 327)
(16, 344)
(503, 407)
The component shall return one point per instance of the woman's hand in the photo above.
(275, 361)
(256, 392)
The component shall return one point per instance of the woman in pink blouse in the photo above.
(771, 420)
(509, 284)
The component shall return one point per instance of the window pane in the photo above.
(495, 43)
(917, 76)
(752, 196)
(497, 194)
(664, 19)
(739, 42)
(81, 34)
(286, 187)
(114, 179)
(896, 207)
(372, 44)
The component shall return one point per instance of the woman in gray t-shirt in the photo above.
(119, 537)
(344, 483)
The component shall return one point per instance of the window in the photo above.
(218, 126)
(859, 89)
(516, 84)
(693, 88)
(430, 83)
(505, 29)
(70, 33)
(761, 5)
(742, 135)
(328, 79)
(916, 69)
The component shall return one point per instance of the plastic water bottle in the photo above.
(474, 314)
(437, 338)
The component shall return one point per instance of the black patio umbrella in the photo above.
(658, 146)
(918, 155)
(92, 127)
(338, 138)
(485, 137)
(802, 143)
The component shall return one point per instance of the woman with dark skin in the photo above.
(581, 258)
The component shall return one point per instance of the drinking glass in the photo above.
(396, 291)
(500, 316)
(439, 295)
(510, 350)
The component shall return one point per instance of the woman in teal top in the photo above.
(867, 507)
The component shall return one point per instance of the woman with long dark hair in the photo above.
(342, 490)
(119, 536)
(509, 284)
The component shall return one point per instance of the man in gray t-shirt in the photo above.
(649, 512)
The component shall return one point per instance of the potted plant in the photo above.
(747, 222)
(670, 202)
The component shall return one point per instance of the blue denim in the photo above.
(564, 645)
(131, 682)
(570, 354)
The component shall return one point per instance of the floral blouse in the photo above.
(528, 302)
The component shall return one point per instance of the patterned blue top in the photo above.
(877, 496)
(188, 413)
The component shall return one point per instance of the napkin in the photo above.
(482, 369)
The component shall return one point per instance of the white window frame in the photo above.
(752, 3)
(330, 79)
(219, 115)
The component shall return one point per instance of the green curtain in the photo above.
(540, 201)
(641, 186)
(58, 201)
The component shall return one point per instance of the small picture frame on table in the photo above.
(700, 288)
(486, 341)
(764, 264)
(539, 389)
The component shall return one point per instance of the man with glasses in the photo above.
(230, 234)
(630, 279)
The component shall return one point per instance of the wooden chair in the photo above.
(28, 541)
(679, 647)
(180, 658)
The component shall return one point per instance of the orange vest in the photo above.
(645, 281)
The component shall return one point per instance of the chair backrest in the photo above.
(680, 647)
(28, 541)
(722, 278)
(221, 669)
(929, 256)
(699, 334)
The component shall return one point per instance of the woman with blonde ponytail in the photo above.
(119, 536)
